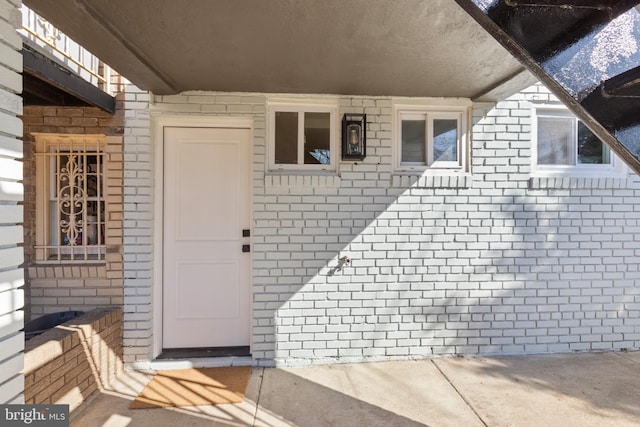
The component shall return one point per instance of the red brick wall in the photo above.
(66, 364)
(65, 287)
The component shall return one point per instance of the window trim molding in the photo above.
(615, 169)
(432, 108)
(302, 105)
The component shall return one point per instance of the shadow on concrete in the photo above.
(110, 408)
(569, 389)
(377, 394)
(316, 406)
(407, 394)
(552, 390)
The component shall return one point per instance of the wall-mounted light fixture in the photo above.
(354, 136)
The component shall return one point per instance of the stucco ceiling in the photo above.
(359, 47)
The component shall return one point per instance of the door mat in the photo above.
(194, 387)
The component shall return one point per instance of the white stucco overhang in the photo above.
(353, 47)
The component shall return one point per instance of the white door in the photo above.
(206, 277)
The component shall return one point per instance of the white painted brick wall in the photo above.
(11, 193)
(138, 226)
(495, 262)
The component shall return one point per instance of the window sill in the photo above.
(541, 181)
(67, 270)
(302, 179)
(431, 179)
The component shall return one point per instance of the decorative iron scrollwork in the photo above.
(72, 201)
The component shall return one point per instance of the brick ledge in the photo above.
(69, 362)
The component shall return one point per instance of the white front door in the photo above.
(206, 277)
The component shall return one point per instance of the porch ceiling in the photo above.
(355, 47)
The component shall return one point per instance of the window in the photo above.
(302, 137)
(430, 137)
(565, 145)
(70, 197)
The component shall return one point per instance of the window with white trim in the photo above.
(70, 198)
(302, 137)
(430, 138)
(564, 145)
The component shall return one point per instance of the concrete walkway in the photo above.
(594, 389)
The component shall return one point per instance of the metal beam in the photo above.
(625, 85)
(64, 79)
(38, 92)
(613, 120)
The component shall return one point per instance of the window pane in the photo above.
(413, 141)
(590, 149)
(555, 135)
(286, 145)
(317, 138)
(54, 237)
(445, 140)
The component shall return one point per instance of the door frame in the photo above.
(158, 123)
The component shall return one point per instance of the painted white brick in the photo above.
(494, 262)
(11, 276)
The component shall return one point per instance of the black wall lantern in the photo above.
(354, 136)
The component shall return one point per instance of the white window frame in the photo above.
(301, 107)
(429, 110)
(614, 169)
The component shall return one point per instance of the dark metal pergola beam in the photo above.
(626, 84)
(47, 70)
(608, 107)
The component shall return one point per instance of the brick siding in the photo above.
(492, 262)
(53, 288)
(11, 198)
(66, 364)
(138, 226)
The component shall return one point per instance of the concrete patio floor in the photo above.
(589, 389)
